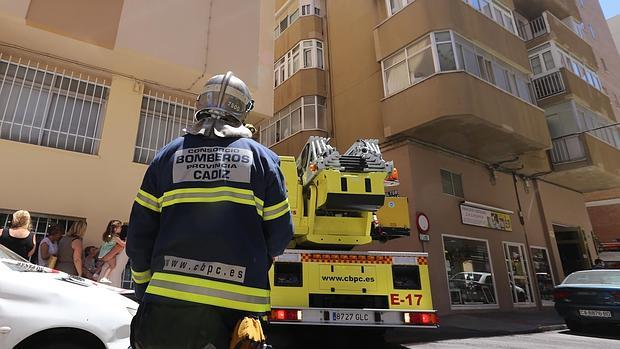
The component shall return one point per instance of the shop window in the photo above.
(451, 183)
(518, 274)
(468, 266)
(544, 277)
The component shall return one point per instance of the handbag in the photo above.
(51, 262)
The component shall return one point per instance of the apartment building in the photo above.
(494, 111)
(90, 90)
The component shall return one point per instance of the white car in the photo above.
(42, 308)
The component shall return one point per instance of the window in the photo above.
(518, 273)
(396, 5)
(162, 119)
(54, 108)
(421, 59)
(544, 276)
(306, 113)
(311, 56)
(496, 12)
(307, 8)
(40, 224)
(554, 57)
(126, 280)
(592, 31)
(451, 183)
(468, 267)
(536, 66)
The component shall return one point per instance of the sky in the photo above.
(610, 7)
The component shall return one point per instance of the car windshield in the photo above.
(606, 277)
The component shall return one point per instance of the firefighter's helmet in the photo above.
(224, 95)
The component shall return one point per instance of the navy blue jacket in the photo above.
(207, 221)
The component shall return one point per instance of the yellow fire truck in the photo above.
(338, 202)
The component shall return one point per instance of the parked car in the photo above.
(43, 308)
(589, 297)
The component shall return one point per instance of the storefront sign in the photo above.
(485, 218)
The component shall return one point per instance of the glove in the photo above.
(248, 334)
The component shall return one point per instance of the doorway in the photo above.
(572, 249)
(518, 273)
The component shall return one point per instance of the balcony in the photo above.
(548, 27)
(424, 16)
(294, 144)
(305, 82)
(305, 27)
(560, 8)
(584, 163)
(562, 85)
(468, 115)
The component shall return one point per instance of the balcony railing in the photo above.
(533, 29)
(549, 85)
(568, 149)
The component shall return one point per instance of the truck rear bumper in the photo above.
(353, 317)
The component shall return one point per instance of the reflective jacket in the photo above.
(207, 221)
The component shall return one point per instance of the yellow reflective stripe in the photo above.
(148, 195)
(276, 211)
(209, 292)
(147, 205)
(204, 299)
(194, 195)
(141, 277)
(147, 200)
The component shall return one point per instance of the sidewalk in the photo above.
(483, 324)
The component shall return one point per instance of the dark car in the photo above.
(589, 297)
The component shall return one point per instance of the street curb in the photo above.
(558, 327)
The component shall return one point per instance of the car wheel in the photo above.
(574, 325)
(62, 345)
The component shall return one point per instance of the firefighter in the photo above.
(209, 218)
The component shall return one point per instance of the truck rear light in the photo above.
(406, 277)
(424, 319)
(288, 274)
(559, 295)
(285, 315)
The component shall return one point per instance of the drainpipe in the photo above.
(528, 251)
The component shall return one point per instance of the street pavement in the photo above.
(564, 339)
(531, 328)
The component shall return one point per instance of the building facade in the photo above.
(494, 111)
(90, 90)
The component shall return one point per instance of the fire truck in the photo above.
(338, 202)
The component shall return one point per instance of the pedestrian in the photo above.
(91, 266)
(209, 218)
(108, 252)
(70, 249)
(48, 248)
(598, 264)
(18, 237)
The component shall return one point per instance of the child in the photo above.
(108, 253)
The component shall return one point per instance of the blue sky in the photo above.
(610, 7)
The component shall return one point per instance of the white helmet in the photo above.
(224, 95)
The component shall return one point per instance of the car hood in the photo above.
(53, 280)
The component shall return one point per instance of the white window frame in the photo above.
(304, 8)
(402, 4)
(528, 273)
(496, 7)
(265, 128)
(160, 124)
(473, 306)
(553, 279)
(481, 55)
(52, 84)
(562, 58)
(285, 66)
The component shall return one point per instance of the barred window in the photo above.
(306, 113)
(162, 119)
(40, 224)
(51, 107)
(126, 281)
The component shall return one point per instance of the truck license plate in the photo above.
(359, 317)
(595, 313)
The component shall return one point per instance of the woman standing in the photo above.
(49, 246)
(70, 249)
(18, 238)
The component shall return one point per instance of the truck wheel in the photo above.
(574, 325)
